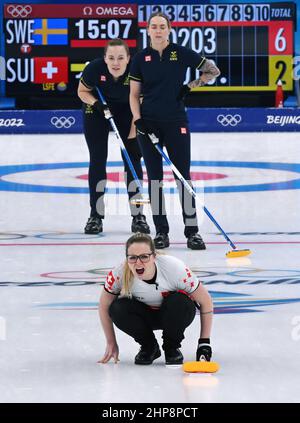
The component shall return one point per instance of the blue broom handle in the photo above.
(191, 191)
(122, 146)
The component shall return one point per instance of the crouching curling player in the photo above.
(150, 291)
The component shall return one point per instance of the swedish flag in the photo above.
(50, 32)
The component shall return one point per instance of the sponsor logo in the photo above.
(87, 11)
(110, 11)
(63, 121)
(173, 55)
(283, 120)
(19, 10)
(229, 120)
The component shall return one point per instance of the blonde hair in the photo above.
(127, 273)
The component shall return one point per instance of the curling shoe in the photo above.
(94, 225)
(139, 224)
(161, 240)
(173, 356)
(146, 355)
(195, 242)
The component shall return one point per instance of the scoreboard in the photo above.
(47, 46)
(252, 44)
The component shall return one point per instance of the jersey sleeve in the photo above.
(113, 282)
(187, 281)
(90, 75)
(193, 59)
(135, 73)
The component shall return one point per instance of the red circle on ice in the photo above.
(168, 176)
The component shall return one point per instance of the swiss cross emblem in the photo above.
(183, 130)
(103, 78)
(110, 279)
(188, 272)
(147, 58)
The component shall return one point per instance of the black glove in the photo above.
(204, 351)
(141, 127)
(184, 90)
(100, 107)
(133, 149)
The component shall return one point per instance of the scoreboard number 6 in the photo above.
(280, 41)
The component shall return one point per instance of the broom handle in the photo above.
(154, 140)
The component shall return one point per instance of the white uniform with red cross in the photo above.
(172, 276)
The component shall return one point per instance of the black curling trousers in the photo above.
(175, 136)
(139, 321)
(96, 131)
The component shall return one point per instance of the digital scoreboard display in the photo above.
(252, 44)
(47, 46)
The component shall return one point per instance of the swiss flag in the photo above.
(50, 69)
(110, 280)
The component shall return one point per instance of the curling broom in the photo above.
(108, 115)
(234, 253)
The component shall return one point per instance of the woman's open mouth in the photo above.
(140, 271)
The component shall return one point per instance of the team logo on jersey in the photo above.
(147, 58)
(103, 78)
(173, 55)
(183, 130)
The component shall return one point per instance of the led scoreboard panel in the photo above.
(252, 44)
(47, 46)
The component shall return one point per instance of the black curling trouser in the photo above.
(96, 131)
(175, 136)
(139, 321)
